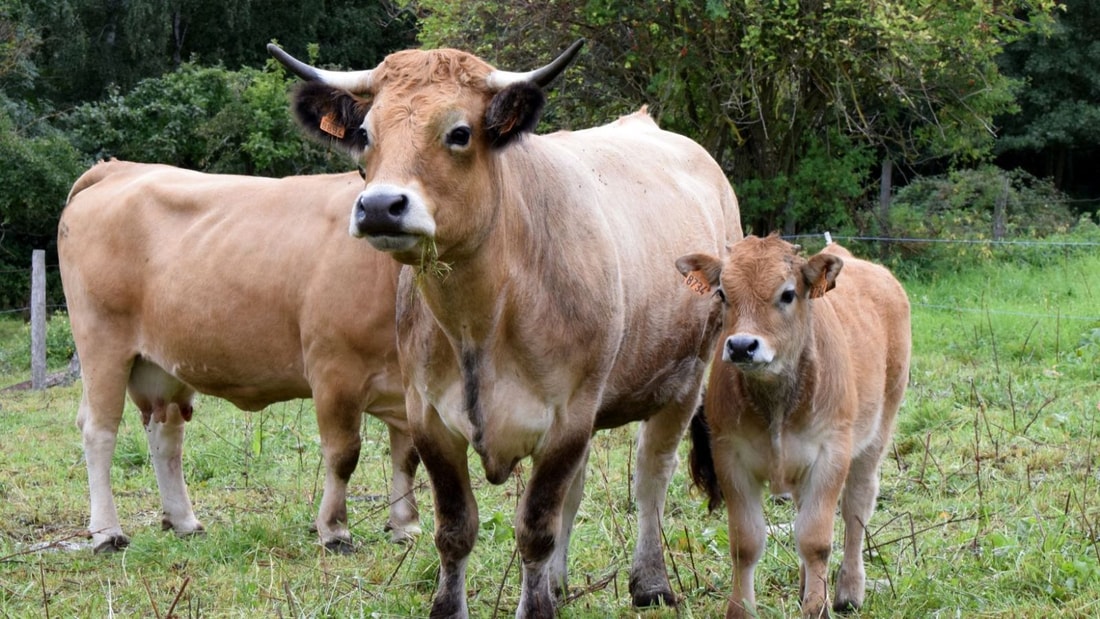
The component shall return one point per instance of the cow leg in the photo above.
(747, 531)
(813, 530)
(658, 440)
(856, 506)
(560, 559)
(539, 520)
(165, 405)
(164, 430)
(404, 521)
(98, 418)
(338, 421)
(444, 456)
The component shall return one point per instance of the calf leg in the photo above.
(541, 531)
(658, 440)
(813, 531)
(747, 531)
(404, 521)
(856, 507)
(338, 421)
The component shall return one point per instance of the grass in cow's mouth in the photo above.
(430, 264)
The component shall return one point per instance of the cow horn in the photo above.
(499, 80)
(352, 81)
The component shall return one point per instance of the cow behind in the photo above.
(805, 387)
(237, 287)
(539, 304)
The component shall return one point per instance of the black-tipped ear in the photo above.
(819, 274)
(331, 115)
(513, 112)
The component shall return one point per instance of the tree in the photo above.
(1057, 130)
(764, 83)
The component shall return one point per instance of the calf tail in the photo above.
(703, 475)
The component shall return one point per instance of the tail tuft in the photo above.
(703, 475)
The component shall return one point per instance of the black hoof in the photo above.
(340, 546)
(845, 606)
(648, 599)
(114, 544)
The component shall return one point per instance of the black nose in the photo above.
(381, 213)
(740, 348)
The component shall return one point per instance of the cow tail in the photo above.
(701, 459)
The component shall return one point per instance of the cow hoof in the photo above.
(846, 606)
(340, 546)
(648, 599)
(114, 543)
(192, 528)
(403, 535)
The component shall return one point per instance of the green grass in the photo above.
(988, 507)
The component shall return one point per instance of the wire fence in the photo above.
(825, 238)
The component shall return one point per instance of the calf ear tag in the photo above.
(697, 282)
(331, 127)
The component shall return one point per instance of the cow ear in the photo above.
(332, 116)
(819, 274)
(704, 267)
(513, 111)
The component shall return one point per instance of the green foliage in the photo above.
(15, 344)
(963, 206)
(205, 118)
(760, 84)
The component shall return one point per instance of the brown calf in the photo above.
(803, 394)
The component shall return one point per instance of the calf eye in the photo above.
(458, 137)
(787, 297)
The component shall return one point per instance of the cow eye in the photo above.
(721, 294)
(787, 297)
(458, 137)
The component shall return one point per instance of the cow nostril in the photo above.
(399, 206)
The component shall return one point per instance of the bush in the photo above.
(15, 344)
(953, 220)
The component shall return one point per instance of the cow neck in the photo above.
(777, 401)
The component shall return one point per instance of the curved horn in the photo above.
(498, 80)
(352, 81)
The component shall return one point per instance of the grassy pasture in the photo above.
(989, 502)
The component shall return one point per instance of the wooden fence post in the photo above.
(38, 319)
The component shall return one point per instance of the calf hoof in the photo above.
(340, 546)
(194, 527)
(114, 543)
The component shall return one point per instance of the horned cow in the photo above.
(233, 286)
(806, 383)
(539, 303)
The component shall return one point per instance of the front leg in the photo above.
(338, 419)
(444, 456)
(813, 530)
(404, 521)
(542, 535)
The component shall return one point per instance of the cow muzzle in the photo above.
(747, 350)
(391, 218)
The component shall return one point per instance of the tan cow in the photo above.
(244, 288)
(539, 305)
(802, 396)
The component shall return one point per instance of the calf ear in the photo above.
(819, 274)
(703, 267)
(332, 116)
(513, 112)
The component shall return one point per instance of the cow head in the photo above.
(426, 125)
(767, 289)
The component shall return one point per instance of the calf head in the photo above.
(767, 289)
(426, 125)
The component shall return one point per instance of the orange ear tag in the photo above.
(697, 283)
(331, 127)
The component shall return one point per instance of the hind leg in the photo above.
(165, 405)
(98, 419)
(404, 521)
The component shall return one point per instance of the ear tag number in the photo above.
(331, 127)
(697, 283)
